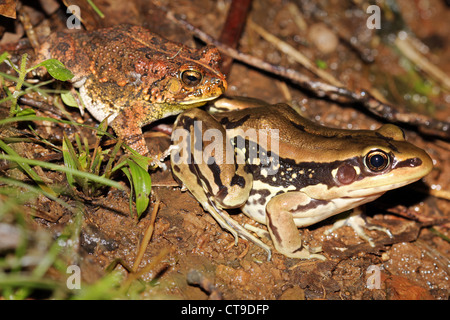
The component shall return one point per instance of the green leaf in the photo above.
(3, 56)
(56, 69)
(142, 184)
(69, 99)
(321, 64)
(25, 112)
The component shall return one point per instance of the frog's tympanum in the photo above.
(133, 77)
(286, 171)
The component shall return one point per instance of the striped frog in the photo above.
(285, 171)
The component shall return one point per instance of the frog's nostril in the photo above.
(411, 163)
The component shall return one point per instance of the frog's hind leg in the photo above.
(219, 214)
(228, 223)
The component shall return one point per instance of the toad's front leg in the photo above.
(128, 127)
(129, 122)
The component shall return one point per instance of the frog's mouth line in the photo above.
(377, 191)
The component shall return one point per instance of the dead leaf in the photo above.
(403, 289)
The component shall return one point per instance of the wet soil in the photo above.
(414, 264)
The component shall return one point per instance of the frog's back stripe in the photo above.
(234, 124)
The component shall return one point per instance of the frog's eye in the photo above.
(191, 78)
(377, 160)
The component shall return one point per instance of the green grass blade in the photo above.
(35, 118)
(96, 9)
(25, 167)
(3, 56)
(60, 168)
(69, 160)
(33, 191)
(105, 288)
(112, 157)
(24, 281)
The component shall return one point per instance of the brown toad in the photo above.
(133, 77)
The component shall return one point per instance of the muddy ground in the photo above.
(414, 264)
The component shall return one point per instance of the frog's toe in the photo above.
(260, 232)
(357, 222)
(244, 233)
(305, 254)
(231, 225)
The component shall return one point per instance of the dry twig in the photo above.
(147, 236)
(321, 89)
(403, 43)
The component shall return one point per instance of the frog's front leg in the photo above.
(282, 228)
(357, 221)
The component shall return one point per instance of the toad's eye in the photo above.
(377, 160)
(191, 78)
